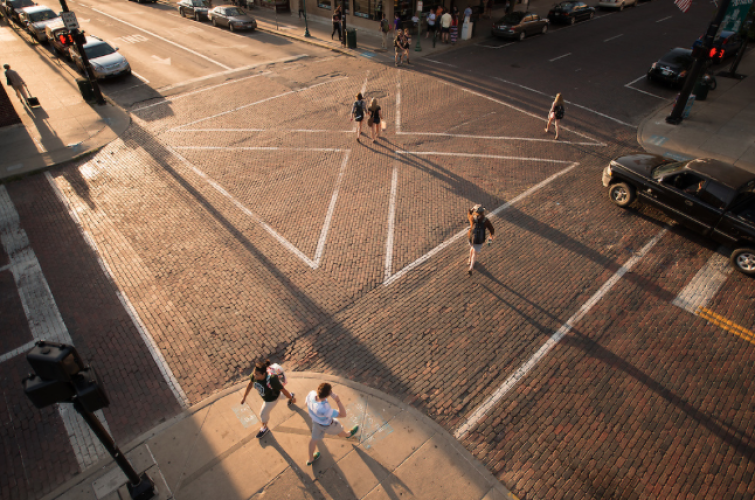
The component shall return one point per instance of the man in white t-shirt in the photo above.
(445, 25)
(324, 418)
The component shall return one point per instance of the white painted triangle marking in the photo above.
(160, 60)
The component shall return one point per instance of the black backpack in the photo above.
(558, 111)
(358, 110)
(478, 231)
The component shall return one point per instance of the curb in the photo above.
(491, 481)
(305, 40)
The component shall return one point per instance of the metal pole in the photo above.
(343, 22)
(87, 66)
(418, 48)
(675, 118)
(306, 26)
(107, 441)
(738, 58)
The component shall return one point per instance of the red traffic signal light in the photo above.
(716, 53)
(66, 40)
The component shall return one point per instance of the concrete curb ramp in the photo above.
(210, 452)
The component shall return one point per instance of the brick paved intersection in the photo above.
(246, 221)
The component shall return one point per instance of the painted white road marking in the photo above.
(496, 46)
(706, 283)
(140, 77)
(190, 51)
(312, 263)
(160, 60)
(290, 92)
(45, 321)
(391, 223)
(398, 102)
(571, 103)
(525, 369)
(494, 213)
(559, 57)
(181, 96)
(149, 341)
(499, 138)
(665, 18)
(629, 86)
(438, 62)
(613, 38)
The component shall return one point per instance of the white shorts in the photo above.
(477, 248)
(267, 407)
(319, 430)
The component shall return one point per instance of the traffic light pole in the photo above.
(698, 66)
(343, 20)
(85, 60)
(140, 487)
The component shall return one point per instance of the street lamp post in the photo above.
(306, 26)
(418, 48)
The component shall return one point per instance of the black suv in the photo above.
(708, 196)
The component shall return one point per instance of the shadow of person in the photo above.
(306, 485)
(387, 479)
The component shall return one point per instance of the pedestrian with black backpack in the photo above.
(556, 113)
(478, 224)
(357, 113)
(268, 379)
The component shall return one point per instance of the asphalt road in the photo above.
(599, 64)
(168, 53)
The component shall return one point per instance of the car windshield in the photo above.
(42, 16)
(19, 4)
(678, 58)
(669, 168)
(99, 50)
(512, 18)
(233, 11)
(565, 6)
(200, 3)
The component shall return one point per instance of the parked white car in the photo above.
(616, 4)
(36, 18)
(105, 59)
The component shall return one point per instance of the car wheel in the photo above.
(743, 259)
(544, 30)
(621, 7)
(181, 12)
(196, 17)
(592, 15)
(214, 22)
(572, 20)
(522, 36)
(230, 27)
(622, 194)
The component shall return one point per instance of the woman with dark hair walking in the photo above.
(336, 23)
(556, 113)
(268, 384)
(357, 113)
(478, 225)
(376, 116)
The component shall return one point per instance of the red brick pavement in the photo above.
(633, 402)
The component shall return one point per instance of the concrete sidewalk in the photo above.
(721, 127)
(211, 452)
(65, 126)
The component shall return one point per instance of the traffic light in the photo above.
(716, 53)
(66, 40)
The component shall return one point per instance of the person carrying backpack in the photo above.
(268, 379)
(478, 224)
(556, 113)
(385, 27)
(357, 113)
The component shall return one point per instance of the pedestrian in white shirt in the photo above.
(324, 418)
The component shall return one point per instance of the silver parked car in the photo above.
(231, 17)
(105, 59)
(34, 19)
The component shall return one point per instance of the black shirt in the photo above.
(264, 387)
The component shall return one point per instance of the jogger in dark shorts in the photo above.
(358, 112)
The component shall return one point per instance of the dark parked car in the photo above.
(196, 9)
(672, 68)
(35, 19)
(12, 8)
(708, 196)
(520, 25)
(232, 18)
(570, 12)
(728, 44)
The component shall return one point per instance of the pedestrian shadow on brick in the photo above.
(736, 438)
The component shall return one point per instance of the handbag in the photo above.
(383, 124)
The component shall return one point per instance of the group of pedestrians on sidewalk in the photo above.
(269, 380)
